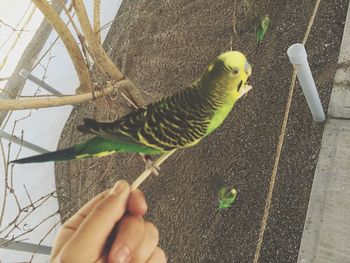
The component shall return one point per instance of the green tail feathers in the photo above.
(95, 147)
(60, 155)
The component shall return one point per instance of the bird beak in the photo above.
(245, 90)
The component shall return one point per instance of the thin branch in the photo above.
(60, 101)
(36, 226)
(14, 43)
(77, 31)
(30, 199)
(5, 185)
(43, 238)
(13, 29)
(28, 212)
(108, 24)
(20, 21)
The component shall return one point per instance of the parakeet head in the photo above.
(235, 69)
(265, 21)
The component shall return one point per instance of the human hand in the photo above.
(86, 235)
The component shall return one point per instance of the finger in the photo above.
(149, 243)
(137, 205)
(158, 256)
(95, 229)
(72, 224)
(75, 221)
(129, 237)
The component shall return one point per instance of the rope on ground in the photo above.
(280, 144)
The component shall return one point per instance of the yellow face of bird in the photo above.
(239, 70)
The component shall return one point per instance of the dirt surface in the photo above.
(163, 46)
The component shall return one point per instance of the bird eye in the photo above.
(240, 85)
(235, 71)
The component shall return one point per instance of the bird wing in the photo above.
(171, 123)
(120, 130)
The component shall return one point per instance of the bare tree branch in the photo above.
(68, 40)
(97, 21)
(60, 101)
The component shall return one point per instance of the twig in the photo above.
(36, 226)
(20, 21)
(17, 221)
(14, 43)
(108, 24)
(78, 33)
(30, 199)
(13, 29)
(142, 177)
(43, 238)
(5, 185)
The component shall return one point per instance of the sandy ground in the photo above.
(163, 46)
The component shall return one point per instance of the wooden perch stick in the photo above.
(59, 101)
(68, 40)
(97, 20)
(148, 172)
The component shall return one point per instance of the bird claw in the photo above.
(151, 166)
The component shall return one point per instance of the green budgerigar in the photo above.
(261, 30)
(176, 122)
(227, 196)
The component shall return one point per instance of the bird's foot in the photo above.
(150, 165)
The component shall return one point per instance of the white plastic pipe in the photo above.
(298, 57)
(22, 143)
(24, 246)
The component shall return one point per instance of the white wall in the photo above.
(43, 127)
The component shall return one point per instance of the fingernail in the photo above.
(122, 255)
(118, 188)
